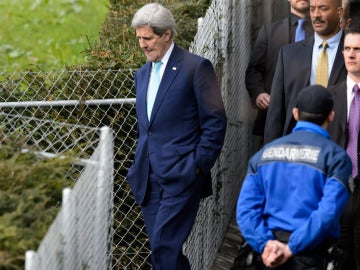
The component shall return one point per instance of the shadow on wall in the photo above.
(355, 11)
(266, 12)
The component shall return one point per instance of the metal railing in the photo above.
(80, 236)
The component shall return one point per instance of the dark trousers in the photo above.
(309, 260)
(169, 220)
(305, 261)
(349, 240)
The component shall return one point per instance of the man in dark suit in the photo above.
(340, 131)
(297, 63)
(261, 67)
(181, 130)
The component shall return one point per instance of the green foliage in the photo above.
(117, 46)
(30, 192)
(48, 34)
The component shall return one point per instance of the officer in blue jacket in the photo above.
(295, 190)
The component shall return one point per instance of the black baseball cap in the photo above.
(315, 99)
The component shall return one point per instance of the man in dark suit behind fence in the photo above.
(270, 39)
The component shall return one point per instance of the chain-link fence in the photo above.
(90, 99)
(60, 111)
(80, 237)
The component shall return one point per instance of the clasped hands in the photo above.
(262, 101)
(275, 253)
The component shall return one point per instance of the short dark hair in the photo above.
(316, 118)
(353, 29)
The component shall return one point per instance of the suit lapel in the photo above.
(284, 27)
(172, 69)
(338, 127)
(341, 96)
(338, 63)
(142, 88)
(308, 49)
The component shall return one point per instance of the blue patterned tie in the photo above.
(153, 87)
(300, 33)
(354, 120)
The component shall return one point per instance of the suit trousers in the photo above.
(349, 240)
(169, 220)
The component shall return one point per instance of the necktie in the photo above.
(354, 120)
(321, 76)
(300, 33)
(153, 87)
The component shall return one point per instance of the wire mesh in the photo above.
(80, 237)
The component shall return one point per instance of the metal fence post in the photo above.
(103, 199)
(69, 230)
(31, 260)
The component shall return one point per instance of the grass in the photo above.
(48, 34)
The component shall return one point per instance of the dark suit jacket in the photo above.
(338, 129)
(292, 74)
(262, 64)
(187, 126)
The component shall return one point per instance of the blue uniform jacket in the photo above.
(297, 183)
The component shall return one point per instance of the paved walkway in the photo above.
(229, 248)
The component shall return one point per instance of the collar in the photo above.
(311, 127)
(350, 85)
(166, 56)
(332, 42)
(293, 19)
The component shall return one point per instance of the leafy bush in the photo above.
(117, 46)
(30, 192)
